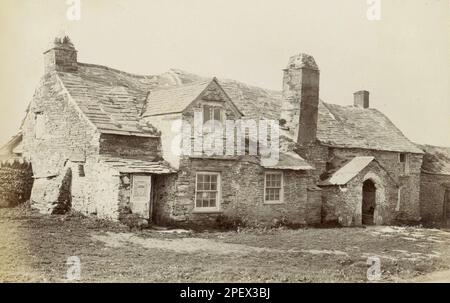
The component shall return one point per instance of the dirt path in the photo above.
(180, 245)
(192, 245)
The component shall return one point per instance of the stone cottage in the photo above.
(103, 142)
(100, 142)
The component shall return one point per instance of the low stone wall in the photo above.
(432, 192)
(16, 182)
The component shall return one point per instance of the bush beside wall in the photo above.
(16, 182)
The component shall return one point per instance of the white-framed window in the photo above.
(207, 191)
(212, 113)
(273, 187)
(39, 126)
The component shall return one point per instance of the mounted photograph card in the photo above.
(208, 141)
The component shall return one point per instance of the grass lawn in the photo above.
(35, 248)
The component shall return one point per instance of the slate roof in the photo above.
(138, 166)
(348, 171)
(353, 127)
(436, 160)
(173, 99)
(111, 100)
(339, 126)
(289, 161)
(114, 101)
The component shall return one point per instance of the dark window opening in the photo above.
(81, 170)
(402, 158)
(212, 113)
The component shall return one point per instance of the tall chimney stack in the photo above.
(361, 99)
(301, 98)
(61, 57)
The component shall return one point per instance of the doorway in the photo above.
(368, 202)
(140, 200)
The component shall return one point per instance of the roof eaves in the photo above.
(329, 144)
(127, 133)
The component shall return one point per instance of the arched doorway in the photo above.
(368, 202)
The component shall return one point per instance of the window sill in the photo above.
(273, 202)
(207, 211)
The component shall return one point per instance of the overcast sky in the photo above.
(403, 59)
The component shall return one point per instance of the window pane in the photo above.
(273, 180)
(198, 200)
(206, 113)
(206, 191)
(217, 114)
(272, 194)
(276, 195)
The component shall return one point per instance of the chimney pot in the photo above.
(361, 99)
(62, 56)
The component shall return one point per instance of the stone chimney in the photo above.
(361, 99)
(61, 57)
(301, 98)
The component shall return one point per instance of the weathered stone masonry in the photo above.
(432, 195)
(242, 190)
(69, 139)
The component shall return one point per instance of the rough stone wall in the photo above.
(314, 206)
(432, 191)
(68, 137)
(52, 194)
(130, 147)
(164, 197)
(344, 204)
(16, 181)
(242, 195)
(317, 155)
(96, 192)
(409, 181)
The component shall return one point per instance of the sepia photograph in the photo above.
(225, 143)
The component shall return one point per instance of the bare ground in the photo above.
(35, 248)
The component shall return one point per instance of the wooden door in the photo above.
(140, 200)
